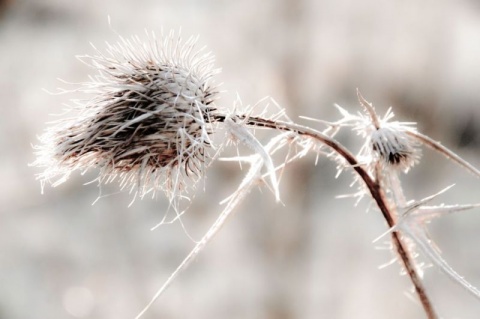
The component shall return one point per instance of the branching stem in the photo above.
(373, 186)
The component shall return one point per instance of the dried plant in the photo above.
(149, 120)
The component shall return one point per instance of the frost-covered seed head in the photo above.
(394, 147)
(147, 122)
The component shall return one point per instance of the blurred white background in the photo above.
(61, 257)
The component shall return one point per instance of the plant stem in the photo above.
(373, 186)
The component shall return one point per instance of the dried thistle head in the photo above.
(388, 141)
(147, 122)
(394, 147)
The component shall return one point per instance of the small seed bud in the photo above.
(394, 147)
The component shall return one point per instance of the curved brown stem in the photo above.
(373, 186)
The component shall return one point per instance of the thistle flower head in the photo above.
(387, 141)
(394, 147)
(147, 122)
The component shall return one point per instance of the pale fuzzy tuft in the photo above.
(387, 142)
(394, 147)
(147, 122)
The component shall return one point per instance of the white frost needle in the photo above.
(413, 223)
(241, 133)
(347, 116)
(251, 179)
(412, 205)
(410, 210)
(256, 162)
(430, 212)
(421, 239)
(213, 230)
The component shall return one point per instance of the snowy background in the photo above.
(61, 257)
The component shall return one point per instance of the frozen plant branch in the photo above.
(437, 146)
(148, 122)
